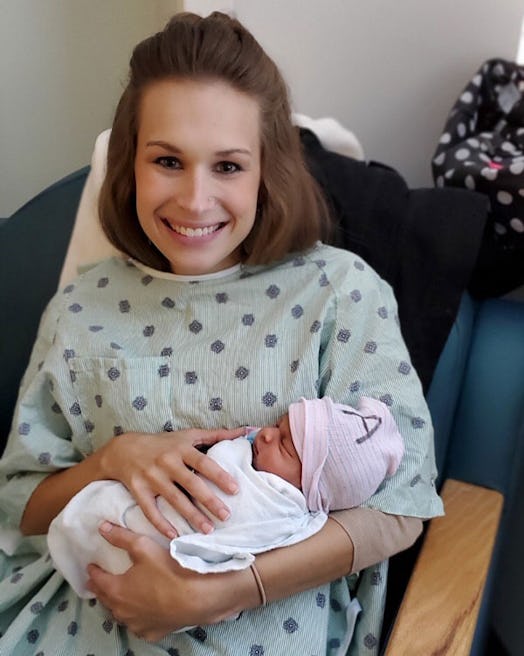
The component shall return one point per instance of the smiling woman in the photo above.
(227, 309)
(223, 69)
(197, 171)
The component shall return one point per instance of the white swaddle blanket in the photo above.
(266, 513)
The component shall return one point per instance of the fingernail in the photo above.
(207, 527)
(224, 514)
(233, 487)
(106, 527)
(171, 535)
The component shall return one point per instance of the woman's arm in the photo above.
(376, 535)
(54, 491)
(156, 595)
(306, 565)
(148, 465)
(353, 539)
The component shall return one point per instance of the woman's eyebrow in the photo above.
(233, 151)
(163, 144)
(219, 153)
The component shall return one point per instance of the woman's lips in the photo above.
(193, 233)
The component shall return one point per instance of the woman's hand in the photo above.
(156, 595)
(152, 465)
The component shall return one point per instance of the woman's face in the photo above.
(197, 171)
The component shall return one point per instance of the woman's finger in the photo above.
(185, 507)
(176, 497)
(118, 536)
(211, 470)
(212, 436)
(137, 546)
(170, 467)
(201, 492)
(98, 583)
(148, 504)
(182, 504)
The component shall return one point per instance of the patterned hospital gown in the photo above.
(128, 348)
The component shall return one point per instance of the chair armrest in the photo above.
(439, 611)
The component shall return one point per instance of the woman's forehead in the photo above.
(179, 111)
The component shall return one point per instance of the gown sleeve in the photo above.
(40, 441)
(363, 354)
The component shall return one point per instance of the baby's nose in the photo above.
(269, 434)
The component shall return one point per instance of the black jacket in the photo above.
(424, 242)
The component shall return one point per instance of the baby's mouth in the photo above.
(193, 232)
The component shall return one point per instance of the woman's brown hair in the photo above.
(291, 214)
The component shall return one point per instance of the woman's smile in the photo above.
(192, 233)
(197, 172)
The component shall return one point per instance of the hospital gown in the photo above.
(126, 348)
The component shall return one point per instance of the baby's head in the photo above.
(337, 455)
(346, 453)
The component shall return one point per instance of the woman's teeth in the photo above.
(193, 232)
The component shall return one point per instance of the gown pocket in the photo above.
(117, 395)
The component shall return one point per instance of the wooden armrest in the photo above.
(439, 610)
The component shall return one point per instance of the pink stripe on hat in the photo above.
(346, 453)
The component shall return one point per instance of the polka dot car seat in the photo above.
(482, 149)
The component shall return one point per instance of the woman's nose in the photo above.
(194, 193)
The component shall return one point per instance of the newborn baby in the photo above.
(319, 457)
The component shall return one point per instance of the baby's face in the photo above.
(274, 451)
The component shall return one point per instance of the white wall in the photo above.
(389, 70)
(62, 67)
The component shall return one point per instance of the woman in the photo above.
(228, 310)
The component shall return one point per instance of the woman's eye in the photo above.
(168, 162)
(227, 167)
